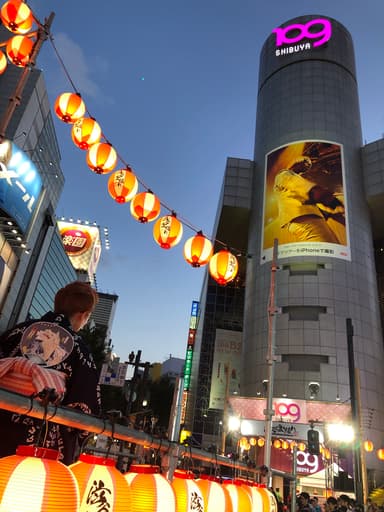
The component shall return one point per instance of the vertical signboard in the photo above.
(305, 205)
(195, 311)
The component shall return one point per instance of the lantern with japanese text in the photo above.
(215, 499)
(198, 250)
(19, 49)
(241, 501)
(122, 185)
(3, 63)
(101, 158)
(86, 132)
(145, 207)
(150, 491)
(16, 16)
(188, 494)
(368, 446)
(35, 480)
(223, 267)
(69, 107)
(101, 485)
(167, 231)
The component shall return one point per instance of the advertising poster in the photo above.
(82, 245)
(305, 206)
(226, 367)
(20, 184)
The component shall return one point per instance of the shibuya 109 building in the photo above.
(311, 201)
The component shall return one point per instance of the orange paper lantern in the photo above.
(253, 441)
(69, 107)
(277, 443)
(215, 499)
(256, 498)
(261, 442)
(269, 501)
(188, 494)
(86, 132)
(198, 250)
(150, 491)
(223, 267)
(34, 479)
(368, 446)
(101, 485)
(285, 445)
(3, 63)
(241, 501)
(101, 158)
(145, 207)
(167, 231)
(19, 49)
(301, 447)
(122, 185)
(16, 16)
(380, 453)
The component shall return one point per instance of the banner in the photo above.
(305, 206)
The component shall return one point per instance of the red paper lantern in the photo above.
(101, 158)
(167, 231)
(122, 185)
(150, 491)
(188, 494)
(215, 498)
(16, 16)
(86, 132)
(145, 207)
(223, 267)
(101, 485)
(34, 479)
(69, 107)
(19, 49)
(3, 63)
(198, 250)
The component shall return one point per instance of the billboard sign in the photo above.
(298, 37)
(305, 205)
(82, 245)
(20, 184)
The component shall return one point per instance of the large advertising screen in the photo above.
(20, 184)
(305, 205)
(82, 245)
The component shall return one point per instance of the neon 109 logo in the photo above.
(318, 30)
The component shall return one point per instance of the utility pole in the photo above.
(269, 411)
(227, 369)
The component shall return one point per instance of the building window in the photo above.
(304, 362)
(304, 312)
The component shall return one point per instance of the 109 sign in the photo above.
(306, 31)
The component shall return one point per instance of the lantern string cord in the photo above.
(183, 220)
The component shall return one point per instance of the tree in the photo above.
(94, 337)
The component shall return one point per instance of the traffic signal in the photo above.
(313, 442)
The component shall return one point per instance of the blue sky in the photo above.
(173, 85)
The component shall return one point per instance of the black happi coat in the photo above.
(82, 392)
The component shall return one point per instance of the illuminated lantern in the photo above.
(380, 453)
(35, 480)
(16, 16)
(3, 63)
(285, 445)
(292, 445)
(327, 454)
(368, 446)
(241, 500)
(256, 498)
(122, 185)
(223, 267)
(216, 499)
(167, 231)
(261, 442)
(69, 107)
(19, 49)
(198, 250)
(101, 158)
(145, 207)
(101, 485)
(301, 447)
(86, 132)
(188, 494)
(269, 501)
(277, 443)
(253, 441)
(150, 491)
(243, 442)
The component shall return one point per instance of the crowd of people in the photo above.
(342, 503)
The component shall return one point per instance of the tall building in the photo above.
(317, 193)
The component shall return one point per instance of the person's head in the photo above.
(343, 500)
(76, 301)
(303, 498)
(331, 504)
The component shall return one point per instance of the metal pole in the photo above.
(225, 407)
(269, 411)
(355, 415)
(14, 101)
(174, 430)
(294, 481)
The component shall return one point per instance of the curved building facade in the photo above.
(308, 193)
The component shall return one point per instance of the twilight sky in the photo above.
(173, 85)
